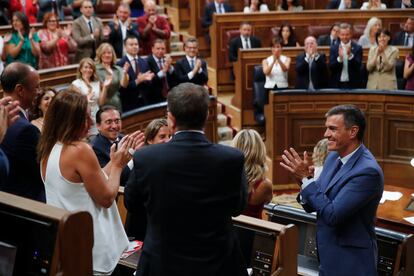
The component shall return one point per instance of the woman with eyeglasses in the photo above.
(56, 43)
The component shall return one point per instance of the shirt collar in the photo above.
(347, 157)
(86, 19)
(190, 58)
(189, 130)
(346, 44)
(131, 58)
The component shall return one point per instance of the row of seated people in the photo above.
(50, 46)
(70, 168)
(343, 70)
(65, 9)
(221, 6)
(326, 36)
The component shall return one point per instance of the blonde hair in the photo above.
(251, 144)
(89, 61)
(320, 152)
(99, 52)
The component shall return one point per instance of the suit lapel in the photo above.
(345, 168)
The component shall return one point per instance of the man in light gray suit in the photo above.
(87, 32)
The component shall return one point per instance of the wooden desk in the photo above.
(391, 214)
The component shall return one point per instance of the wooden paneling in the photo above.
(243, 97)
(263, 22)
(300, 124)
(139, 118)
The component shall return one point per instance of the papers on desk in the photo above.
(410, 219)
(390, 196)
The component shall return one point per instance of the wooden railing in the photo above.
(243, 97)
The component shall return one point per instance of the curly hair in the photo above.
(34, 111)
(320, 152)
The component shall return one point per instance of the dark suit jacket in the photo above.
(236, 43)
(334, 4)
(82, 35)
(325, 40)
(397, 4)
(4, 168)
(115, 37)
(346, 206)
(134, 96)
(19, 145)
(319, 72)
(157, 83)
(208, 13)
(191, 189)
(354, 66)
(182, 68)
(399, 38)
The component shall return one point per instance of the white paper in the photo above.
(410, 219)
(393, 196)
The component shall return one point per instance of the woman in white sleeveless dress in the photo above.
(74, 180)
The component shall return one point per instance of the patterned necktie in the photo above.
(247, 43)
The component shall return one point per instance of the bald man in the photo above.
(151, 27)
(21, 83)
(311, 68)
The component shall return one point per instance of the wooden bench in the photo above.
(263, 22)
(297, 119)
(243, 68)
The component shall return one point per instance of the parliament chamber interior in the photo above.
(39, 239)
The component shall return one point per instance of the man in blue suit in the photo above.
(136, 93)
(21, 83)
(345, 196)
(345, 60)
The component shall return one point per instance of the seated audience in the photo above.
(191, 68)
(345, 60)
(106, 68)
(290, 5)
(55, 43)
(373, 5)
(409, 70)
(87, 83)
(23, 43)
(164, 74)
(288, 36)
(20, 82)
(331, 38)
(121, 27)
(245, 41)
(320, 152)
(74, 180)
(381, 63)
(87, 32)
(77, 6)
(311, 69)
(139, 76)
(342, 4)
(406, 36)
(216, 6)
(27, 7)
(260, 188)
(55, 6)
(151, 26)
(403, 4)
(157, 132)
(368, 39)
(255, 6)
(276, 67)
(40, 105)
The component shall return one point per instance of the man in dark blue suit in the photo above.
(331, 38)
(135, 94)
(244, 41)
(345, 196)
(191, 188)
(406, 36)
(403, 4)
(217, 6)
(164, 74)
(311, 69)
(121, 27)
(109, 124)
(191, 68)
(21, 83)
(345, 60)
